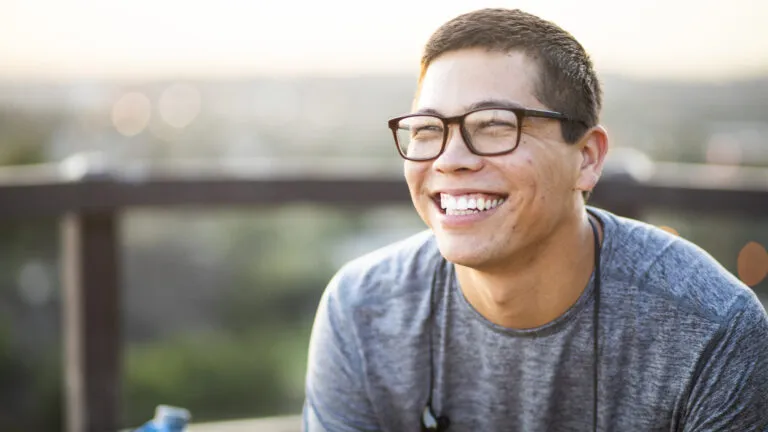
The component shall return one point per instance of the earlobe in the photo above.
(587, 181)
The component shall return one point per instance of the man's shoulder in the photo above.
(390, 272)
(675, 270)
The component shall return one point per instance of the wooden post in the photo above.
(91, 321)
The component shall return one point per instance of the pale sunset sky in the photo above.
(64, 39)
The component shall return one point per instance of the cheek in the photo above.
(539, 177)
(415, 177)
(524, 172)
(550, 172)
(415, 174)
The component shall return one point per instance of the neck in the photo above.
(540, 284)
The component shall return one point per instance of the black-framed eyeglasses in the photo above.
(486, 131)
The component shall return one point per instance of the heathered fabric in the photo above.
(683, 346)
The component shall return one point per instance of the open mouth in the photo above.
(467, 204)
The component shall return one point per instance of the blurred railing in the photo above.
(89, 195)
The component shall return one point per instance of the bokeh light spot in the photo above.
(179, 105)
(669, 230)
(752, 263)
(35, 285)
(724, 150)
(131, 113)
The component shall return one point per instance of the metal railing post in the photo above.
(91, 321)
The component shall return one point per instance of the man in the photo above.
(522, 308)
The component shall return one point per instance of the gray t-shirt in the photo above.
(683, 346)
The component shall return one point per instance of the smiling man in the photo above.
(522, 308)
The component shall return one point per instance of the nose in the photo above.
(456, 156)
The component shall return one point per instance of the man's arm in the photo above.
(731, 392)
(336, 396)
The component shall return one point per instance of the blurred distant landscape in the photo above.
(219, 302)
(723, 122)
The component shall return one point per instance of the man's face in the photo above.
(535, 183)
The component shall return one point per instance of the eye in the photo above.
(426, 129)
(421, 127)
(494, 127)
(426, 132)
(491, 121)
(496, 123)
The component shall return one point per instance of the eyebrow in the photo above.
(486, 103)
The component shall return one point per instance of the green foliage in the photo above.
(30, 389)
(216, 376)
(30, 380)
(23, 137)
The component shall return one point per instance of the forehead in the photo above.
(458, 79)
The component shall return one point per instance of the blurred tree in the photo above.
(30, 371)
(24, 138)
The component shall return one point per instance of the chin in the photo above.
(457, 251)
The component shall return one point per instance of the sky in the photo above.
(65, 39)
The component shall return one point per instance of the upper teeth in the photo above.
(469, 202)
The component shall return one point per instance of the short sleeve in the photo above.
(336, 397)
(731, 390)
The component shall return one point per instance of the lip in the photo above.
(437, 192)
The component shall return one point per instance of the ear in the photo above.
(593, 148)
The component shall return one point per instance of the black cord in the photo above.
(431, 345)
(430, 421)
(595, 324)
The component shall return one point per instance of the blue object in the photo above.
(167, 419)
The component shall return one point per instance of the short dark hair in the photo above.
(566, 82)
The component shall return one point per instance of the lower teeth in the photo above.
(461, 212)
